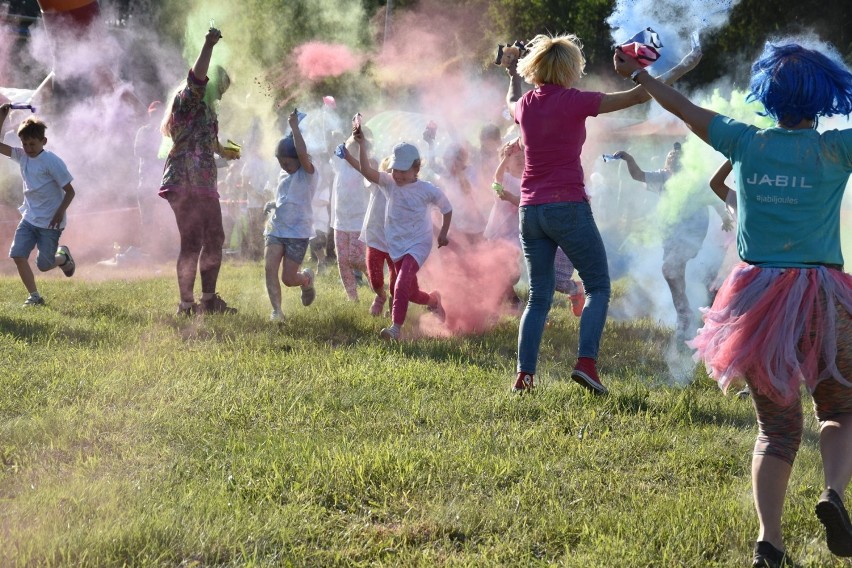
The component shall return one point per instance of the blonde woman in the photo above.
(554, 208)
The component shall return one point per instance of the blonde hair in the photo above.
(556, 60)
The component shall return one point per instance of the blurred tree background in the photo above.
(727, 50)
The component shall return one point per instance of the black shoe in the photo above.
(767, 556)
(838, 530)
(215, 305)
(68, 267)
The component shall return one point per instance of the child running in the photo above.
(503, 226)
(47, 194)
(373, 235)
(408, 227)
(291, 226)
(349, 205)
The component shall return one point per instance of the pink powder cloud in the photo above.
(317, 60)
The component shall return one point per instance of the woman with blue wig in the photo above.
(782, 317)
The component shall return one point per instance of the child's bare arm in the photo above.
(60, 212)
(367, 170)
(445, 228)
(5, 149)
(717, 182)
(299, 143)
(350, 159)
(501, 169)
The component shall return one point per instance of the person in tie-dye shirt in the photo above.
(189, 180)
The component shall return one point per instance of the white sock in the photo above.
(35, 294)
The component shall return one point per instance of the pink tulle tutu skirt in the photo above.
(776, 326)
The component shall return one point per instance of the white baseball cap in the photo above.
(404, 155)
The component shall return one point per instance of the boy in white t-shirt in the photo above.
(290, 227)
(47, 194)
(408, 227)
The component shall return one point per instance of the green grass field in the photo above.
(129, 436)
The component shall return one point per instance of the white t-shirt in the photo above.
(293, 217)
(503, 221)
(408, 226)
(44, 177)
(656, 180)
(349, 199)
(320, 208)
(373, 231)
(256, 174)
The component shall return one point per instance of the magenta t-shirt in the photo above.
(553, 127)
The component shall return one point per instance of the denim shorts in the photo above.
(294, 249)
(28, 237)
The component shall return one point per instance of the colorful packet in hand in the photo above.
(508, 53)
(234, 147)
(340, 151)
(644, 47)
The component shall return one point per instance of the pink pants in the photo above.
(376, 260)
(406, 289)
(351, 255)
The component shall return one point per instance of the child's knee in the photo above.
(673, 271)
(44, 264)
(291, 279)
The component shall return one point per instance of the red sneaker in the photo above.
(524, 383)
(585, 374)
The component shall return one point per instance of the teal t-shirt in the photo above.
(789, 187)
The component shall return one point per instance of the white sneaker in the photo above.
(391, 333)
(436, 307)
(34, 301)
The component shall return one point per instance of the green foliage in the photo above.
(523, 19)
(129, 436)
(730, 50)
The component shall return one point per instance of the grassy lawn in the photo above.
(129, 436)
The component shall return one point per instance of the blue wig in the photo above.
(794, 83)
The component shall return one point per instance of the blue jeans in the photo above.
(571, 226)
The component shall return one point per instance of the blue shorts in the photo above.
(294, 249)
(28, 237)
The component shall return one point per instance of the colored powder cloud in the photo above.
(317, 60)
